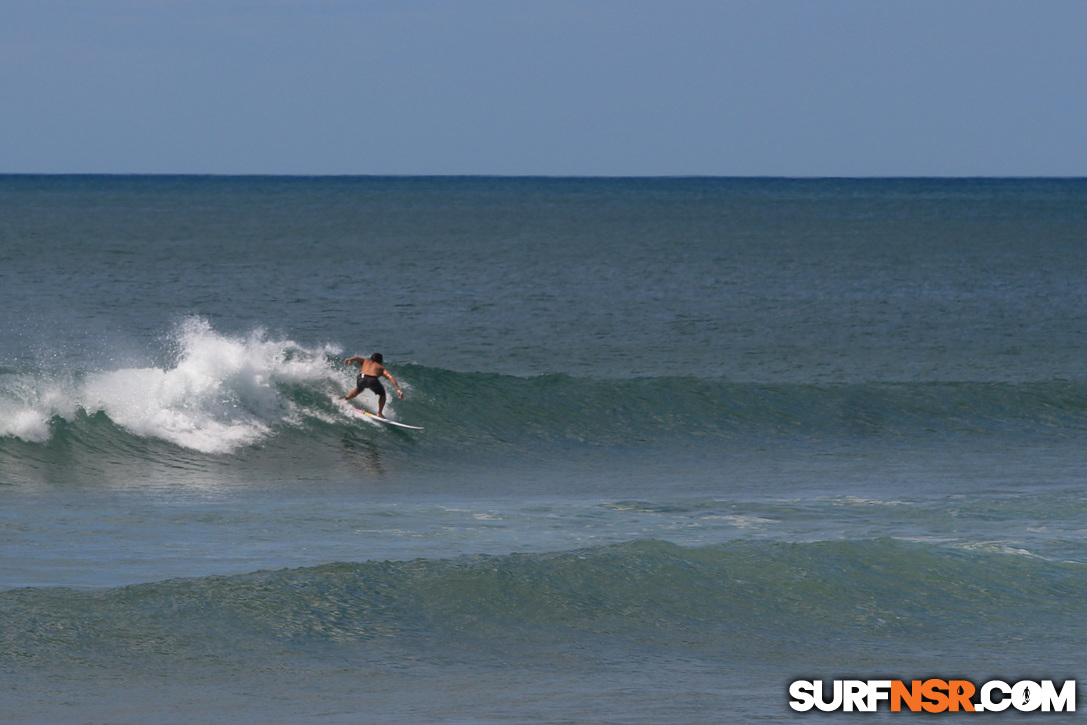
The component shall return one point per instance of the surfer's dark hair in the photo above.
(376, 357)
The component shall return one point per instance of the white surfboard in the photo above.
(378, 419)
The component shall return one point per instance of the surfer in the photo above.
(370, 374)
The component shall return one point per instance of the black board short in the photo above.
(369, 381)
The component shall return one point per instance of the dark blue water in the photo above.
(685, 440)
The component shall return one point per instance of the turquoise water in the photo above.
(685, 441)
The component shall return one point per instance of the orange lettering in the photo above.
(931, 689)
(960, 693)
(911, 696)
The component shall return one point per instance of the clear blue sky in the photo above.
(553, 87)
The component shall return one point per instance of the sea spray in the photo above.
(221, 392)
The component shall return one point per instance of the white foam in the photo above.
(29, 425)
(1000, 547)
(27, 403)
(220, 395)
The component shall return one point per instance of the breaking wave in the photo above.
(219, 394)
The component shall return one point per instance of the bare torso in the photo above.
(369, 367)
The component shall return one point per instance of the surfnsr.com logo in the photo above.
(933, 695)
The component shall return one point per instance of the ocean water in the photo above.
(685, 441)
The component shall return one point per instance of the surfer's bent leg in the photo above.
(358, 388)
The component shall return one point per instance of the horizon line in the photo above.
(587, 177)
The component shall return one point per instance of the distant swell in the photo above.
(736, 598)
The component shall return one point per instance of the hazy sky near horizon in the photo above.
(551, 87)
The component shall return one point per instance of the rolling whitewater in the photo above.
(683, 442)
